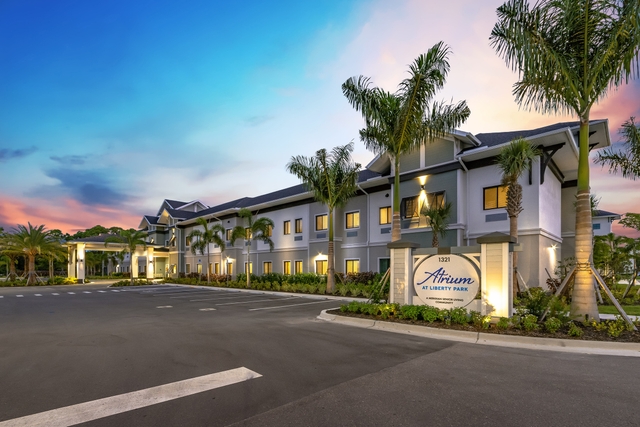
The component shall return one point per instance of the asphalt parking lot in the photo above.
(178, 356)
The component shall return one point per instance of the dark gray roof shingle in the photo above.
(497, 138)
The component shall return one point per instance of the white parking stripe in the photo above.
(290, 305)
(1, 296)
(96, 409)
(207, 309)
(55, 294)
(38, 295)
(227, 297)
(260, 300)
(113, 290)
(71, 293)
(86, 292)
(102, 292)
(19, 296)
(164, 306)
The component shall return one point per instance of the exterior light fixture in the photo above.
(422, 187)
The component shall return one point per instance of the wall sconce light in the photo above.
(80, 261)
(422, 187)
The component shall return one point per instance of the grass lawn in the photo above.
(631, 310)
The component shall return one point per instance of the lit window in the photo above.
(409, 207)
(216, 268)
(247, 233)
(321, 266)
(199, 268)
(188, 268)
(495, 197)
(352, 266)
(228, 237)
(385, 215)
(269, 231)
(298, 267)
(187, 241)
(352, 220)
(286, 227)
(287, 267)
(299, 225)
(266, 267)
(322, 222)
(435, 199)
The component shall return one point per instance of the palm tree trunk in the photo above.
(12, 269)
(395, 222)
(583, 301)
(248, 269)
(131, 268)
(434, 240)
(50, 268)
(331, 271)
(208, 265)
(31, 275)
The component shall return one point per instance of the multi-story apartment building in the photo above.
(459, 169)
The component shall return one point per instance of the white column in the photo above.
(71, 265)
(497, 274)
(151, 265)
(81, 262)
(134, 264)
(401, 279)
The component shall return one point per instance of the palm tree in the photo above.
(397, 123)
(203, 238)
(56, 252)
(131, 238)
(628, 163)
(10, 254)
(438, 220)
(568, 54)
(31, 241)
(256, 229)
(333, 179)
(513, 161)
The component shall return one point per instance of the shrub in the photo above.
(429, 314)
(476, 319)
(553, 324)
(575, 330)
(615, 328)
(535, 301)
(459, 316)
(503, 324)
(530, 322)
(410, 312)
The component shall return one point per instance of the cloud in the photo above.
(258, 120)
(89, 187)
(8, 154)
(70, 159)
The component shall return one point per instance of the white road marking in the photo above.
(223, 297)
(113, 290)
(102, 292)
(55, 294)
(260, 300)
(290, 305)
(164, 306)
(71, 293)
(1, 296)
(19, 296)
(86, 292)
(96, 409)
(207, 309)
(38, 295)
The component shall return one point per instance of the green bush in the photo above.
(459, 316)
(530, 322)
(411, 312)
(476, 318)
(575, 330)
(136, 282)
(503, 324)
(429, 314)
(553, 324)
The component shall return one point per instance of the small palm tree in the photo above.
(31, 241)
(568, 54)
(438, 220)
(627, 161)
(397, 123)
(513, 161)
(56, 252)
(10, 254)
(201, 239)
(131, 238)
(333, 179)
(258, 229)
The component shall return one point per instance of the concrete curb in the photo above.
(531, 343)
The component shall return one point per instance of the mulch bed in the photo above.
(589, 333)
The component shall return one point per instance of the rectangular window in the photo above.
(188, 269)
(199, 268)
(267, 267)
(166, 243)
(435, 199)
(352, 266)
(187, 241)
(216, 268)
(174, 268)
(228, 236)
(298, 267)
(299, 225)
(321, 266)
(385, 215)
(269, 231)
(322, 222)
(286, 227)
(286, 268)
(383, 265)
(249, 268)
(352, 220)
(495, 197)
(409, 207)
(230, 268)
(247, 233)
(596, 226)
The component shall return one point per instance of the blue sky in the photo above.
(108, 107)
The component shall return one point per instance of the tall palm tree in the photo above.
(568, 54)
(203, 238)
(513, 160)
(258, 229)
(397, 123)
(333, 179)
(31, 241)
(10, 254)
(131, 238)
(627, 161)
(438, 220)
(56, 252)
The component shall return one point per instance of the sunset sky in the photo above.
(109, 107)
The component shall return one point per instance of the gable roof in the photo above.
(496, 138)
(178, 214)
(604, 214)
(175, 204)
